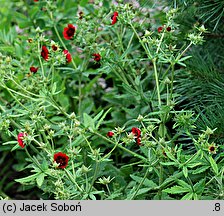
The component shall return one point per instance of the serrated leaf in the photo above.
(200, 170)
(40, 179)
(214, 165)
(188, 196)
(199, 186)
(170, 156)
(28, 178)
(184, 184)
(176, 190)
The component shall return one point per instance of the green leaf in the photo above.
(188, 196)
(199, 186)
(10, 142)
(168, 163)
(143, 191)
(147, 182)
(54, 87)
(214, 165)
(15, 148)
(40, 179)
(200, 170)
(92, 197)
(176, 190)
(184, 184)
(185, 171)
(170, 156)
(102, 118)
(83, 3)
(28, 178)
(88, 121)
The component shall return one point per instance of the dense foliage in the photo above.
(111, 100)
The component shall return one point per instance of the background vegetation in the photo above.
(167, 84)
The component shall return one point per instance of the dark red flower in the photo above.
(69, 32)
(97, 57)
(68, 56)
(44, 53)
(33, 69)
(110, 133)
(61, 159)
(80, 15)
(138, 141)
(114, 18)
(35, 0)
(136, 132)
(168, 28)
(20, 139)
(160, 29)
(54, 47)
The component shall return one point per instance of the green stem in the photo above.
(28, 154)
(72, 180)
(172, 80)
(41, 63)
(160, 42)
(108, 189)
(115, 146)
(157, 81)
(91, 149)
(12, 121)
(121, 147)
(160, 181)
(9, 90)
(140, 184)
(94, 176)
(136, 33)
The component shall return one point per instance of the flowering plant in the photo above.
(97, 117)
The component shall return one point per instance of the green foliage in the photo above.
(135, 124)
